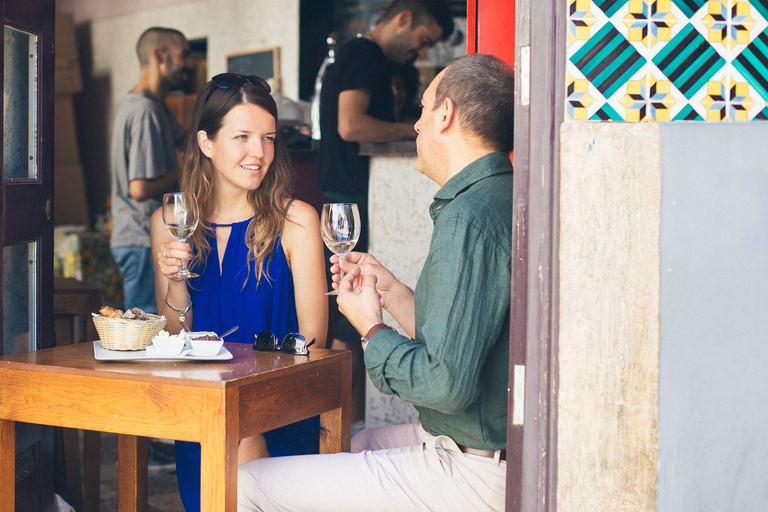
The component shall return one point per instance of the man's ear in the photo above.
(446, 115)
(204, 142)
(157, 55)
(404, 19)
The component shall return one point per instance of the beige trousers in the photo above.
(392, 469)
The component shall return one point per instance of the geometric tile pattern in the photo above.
(667, 60)
(607, 60)
(688, 61)
(752, 63)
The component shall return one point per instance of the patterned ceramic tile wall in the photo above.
(667, 60)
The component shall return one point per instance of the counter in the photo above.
(400, 233)
(400, 147)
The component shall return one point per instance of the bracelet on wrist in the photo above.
(179, 311)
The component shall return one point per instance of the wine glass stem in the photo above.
(341, 272)
(183, 268)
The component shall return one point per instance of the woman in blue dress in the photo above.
(258, 253)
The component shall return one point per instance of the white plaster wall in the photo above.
(400, 233)
(609, 338)
(83, 10)
(230, 26)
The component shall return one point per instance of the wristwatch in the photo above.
(373, 330)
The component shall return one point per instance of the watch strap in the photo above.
(376, 328)
(372, 331)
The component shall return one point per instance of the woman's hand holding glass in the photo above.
(180, 216)
(171, 256)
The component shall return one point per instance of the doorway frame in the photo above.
(540, 53)
(27, 216)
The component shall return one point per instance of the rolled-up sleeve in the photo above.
(461, 301)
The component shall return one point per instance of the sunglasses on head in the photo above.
(293, 343)
(235, 81)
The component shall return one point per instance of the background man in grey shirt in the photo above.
(144, 140)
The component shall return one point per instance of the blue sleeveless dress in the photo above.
(220, 302)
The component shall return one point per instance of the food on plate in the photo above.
(208, 337)
(163, 334)
(169, 344)
(135, 314)
(131, 314)
(111, 312)
(206, 344)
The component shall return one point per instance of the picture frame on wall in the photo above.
(264, 62)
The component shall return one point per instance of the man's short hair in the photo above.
(482, 88)
(156, 37)
(424, 13)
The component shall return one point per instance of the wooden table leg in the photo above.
(335, 426)
(218, 451)
(132, 452)
(7, 464)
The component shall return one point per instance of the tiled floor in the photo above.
(163, 491)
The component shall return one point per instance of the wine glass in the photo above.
(180, 216)
(340, 226)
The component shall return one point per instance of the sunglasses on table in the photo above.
(293, 343)
(235, 81)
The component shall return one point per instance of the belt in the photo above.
(483, 453)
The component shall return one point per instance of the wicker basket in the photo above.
(123, 334)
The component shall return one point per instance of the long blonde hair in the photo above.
(268, 201)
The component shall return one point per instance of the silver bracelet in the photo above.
(180, 312)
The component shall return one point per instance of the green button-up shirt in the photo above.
(455, 371)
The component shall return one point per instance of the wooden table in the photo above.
(213, 403)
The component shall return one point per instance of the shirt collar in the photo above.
(483, 167)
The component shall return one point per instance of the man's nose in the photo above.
(422, 52)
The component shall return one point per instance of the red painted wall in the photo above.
(491, 28)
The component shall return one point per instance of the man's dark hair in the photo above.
(482, 88)
(424, 13)
(156, 37)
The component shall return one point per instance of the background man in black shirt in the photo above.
(357, 105)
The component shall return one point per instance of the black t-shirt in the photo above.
(360, 64)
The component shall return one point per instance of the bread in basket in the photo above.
(127, 334)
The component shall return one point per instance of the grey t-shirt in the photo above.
(144, 140)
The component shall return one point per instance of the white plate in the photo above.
(102, 354)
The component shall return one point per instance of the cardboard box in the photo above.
(65, 149)
(68, 79)
(70, 201)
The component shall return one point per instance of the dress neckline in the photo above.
(214, 225)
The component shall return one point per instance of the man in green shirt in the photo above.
(452, 365)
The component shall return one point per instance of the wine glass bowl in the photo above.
(181, 216)
(340, 227)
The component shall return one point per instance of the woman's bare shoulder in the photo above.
(302, 214)
(156, 221)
